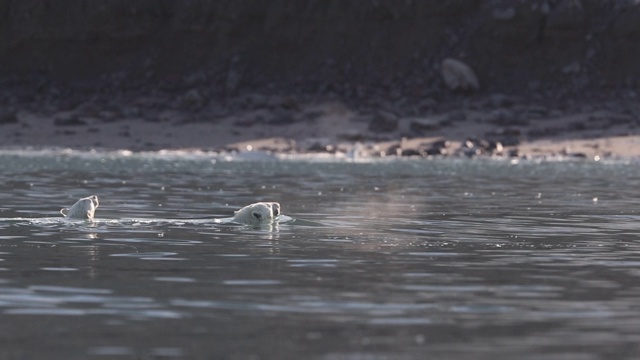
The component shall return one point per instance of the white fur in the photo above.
(84, 208)
(257, 214)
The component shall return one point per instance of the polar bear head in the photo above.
(257, 214)
(84, 208)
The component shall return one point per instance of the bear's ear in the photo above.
(257, 215)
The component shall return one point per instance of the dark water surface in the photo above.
(420, 259)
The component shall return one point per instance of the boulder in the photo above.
(458, 75)
(383, 121)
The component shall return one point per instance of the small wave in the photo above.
(47, 221)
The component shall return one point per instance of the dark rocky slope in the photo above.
(564, 46)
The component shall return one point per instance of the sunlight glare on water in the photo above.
(395, 259)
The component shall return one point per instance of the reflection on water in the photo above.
(381, 260)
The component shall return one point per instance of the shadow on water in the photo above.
(456, 259)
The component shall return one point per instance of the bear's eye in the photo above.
(257, 215)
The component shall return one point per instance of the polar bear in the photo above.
(257, 214)
(83, 209)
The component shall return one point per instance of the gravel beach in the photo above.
(533, 79)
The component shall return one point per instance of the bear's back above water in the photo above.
(83, 209)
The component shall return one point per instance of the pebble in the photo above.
(394, 150)
(410, 152)
(352, 135)
(500, 100)
(281, 117)
(505, 14)
(256, 100)
(438, 147)
(420, 126)
(232, 82)
(107, 115)
(383, 121)
(192, 99)
(8, 117)
(428, 104)
(505, 117)
(68, 120)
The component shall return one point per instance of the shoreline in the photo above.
(494, 125)
(518, 80)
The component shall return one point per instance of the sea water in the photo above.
(385, 259)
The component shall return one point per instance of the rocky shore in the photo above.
(468, 125)
(535, 78)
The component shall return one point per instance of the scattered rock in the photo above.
(505, 132)
(352, 135)
(506, 137)
(247, 121)
(577, 125)
(68, 120)
(192, 99)
(620, 119)
(321, 145)
(194, 79)
(505, 117)
(420, 126)
(566, 15)
(281, 117)
(410, 152)
(436, 151)
(131, 112)
(458, 75)
(8, 117)
(505, 14)
(500, 100)
(316, 147)
(65, 132)
(107, 116)
(437, 148)
(383, 121)
(573, 68)
(542, 132)
(456, 115)
(256, 100)
(537, 111)
(283, 102)
(473, 147)
(232, 82)
(492, 147)
(394, 150)
(626, 24)
(427, 104)
(577, 155)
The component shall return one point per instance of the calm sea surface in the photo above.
(419, 259)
